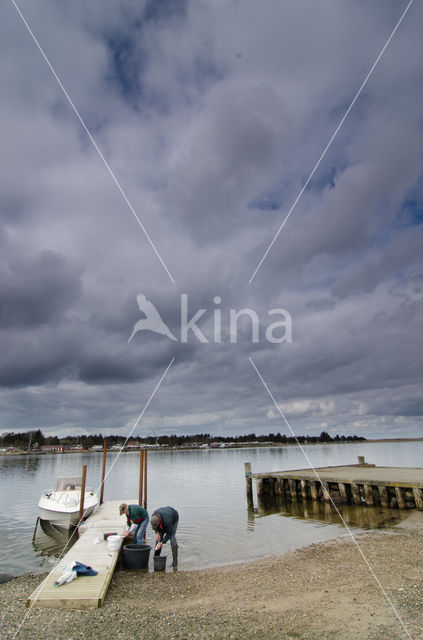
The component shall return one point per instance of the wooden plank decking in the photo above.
(85, 591)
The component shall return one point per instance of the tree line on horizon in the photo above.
(36, 439)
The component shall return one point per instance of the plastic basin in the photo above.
(136, 556)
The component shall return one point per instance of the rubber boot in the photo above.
(174, 555)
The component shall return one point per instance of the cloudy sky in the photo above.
(211, 115)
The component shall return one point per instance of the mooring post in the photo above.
(103, 471)
(140, 488)
(248, 483)
(145, 479)
(81, 499)
(361, 460)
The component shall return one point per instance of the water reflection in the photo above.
(325, 512)
(50, 540)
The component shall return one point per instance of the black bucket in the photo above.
(159, 563)
(136, 556)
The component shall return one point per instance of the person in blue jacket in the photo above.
(164, 521)
(135, 515)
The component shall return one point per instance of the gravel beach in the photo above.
(324, 591)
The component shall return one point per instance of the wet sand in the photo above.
(324, 591)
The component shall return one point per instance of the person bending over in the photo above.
(164, 522)
(136, 521)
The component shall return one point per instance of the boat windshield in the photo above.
(68, 483)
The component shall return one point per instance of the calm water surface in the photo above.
(208, 489)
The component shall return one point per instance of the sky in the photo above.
(187, 134)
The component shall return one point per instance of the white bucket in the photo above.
(114, 542)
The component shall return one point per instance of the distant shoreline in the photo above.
(194, 448)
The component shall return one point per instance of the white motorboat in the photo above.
(60, 506)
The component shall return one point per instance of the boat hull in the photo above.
(63, 519)
(61, 508)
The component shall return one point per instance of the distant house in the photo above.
(52, 448)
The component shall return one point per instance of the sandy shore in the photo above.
(324, 591)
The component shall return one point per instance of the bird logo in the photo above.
(152, 320)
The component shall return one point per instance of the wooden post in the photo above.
(355, 492)
(285, 489)
(361, 460)
(313, 490)
(260, 489)
(418, 497)
(325, 491)
(248, 483)
(343, 492)
(400, 497)
(103, 471)
(145, 479)
(82, 496)
(293, 488)
(281, 490)
(277, 487)
(304, 493)
(368, 494)
(140, 488)
(384, 497)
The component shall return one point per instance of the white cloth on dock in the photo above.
(68, 575)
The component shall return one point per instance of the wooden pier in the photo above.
(85, 591)
(359, 484)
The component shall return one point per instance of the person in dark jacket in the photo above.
(165, 521)
(135, 515)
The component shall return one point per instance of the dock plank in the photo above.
(85, 591)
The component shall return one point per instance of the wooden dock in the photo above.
(359, 484)
(85, 591)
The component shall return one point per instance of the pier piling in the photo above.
(145, 479)
(141, 478)
(400, 497)
(249, 484)
(418, 497)
(103, 471)
(81, 499)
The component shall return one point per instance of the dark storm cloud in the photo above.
(212, 117)
(37, 291)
